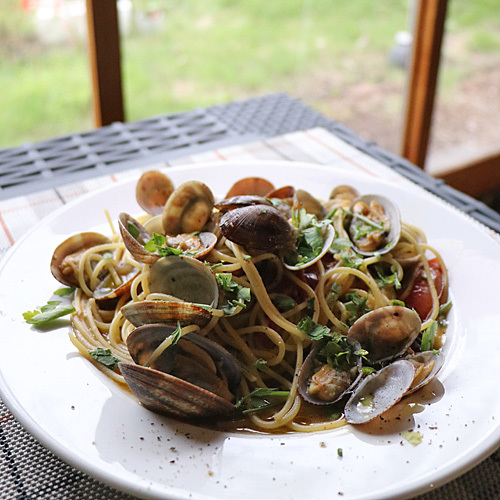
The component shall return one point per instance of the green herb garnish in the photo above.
(54, 309)
(176, 334)
(235, 295)
(261, 399)
(283, 302)
(133, 229)
(312, 329)
(414, 438)
(355, 305)
(158, 243)
(428, 337)
(105, 357)
(64, 292)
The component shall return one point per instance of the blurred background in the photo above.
(346, 59)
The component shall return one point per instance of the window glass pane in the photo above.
(466, 124)
(44, 76)
(339, 57)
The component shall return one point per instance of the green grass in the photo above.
(210, 52)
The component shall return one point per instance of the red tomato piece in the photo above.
(420, 297)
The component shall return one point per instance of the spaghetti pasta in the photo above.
(278, 308)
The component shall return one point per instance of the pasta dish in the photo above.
(269, 307)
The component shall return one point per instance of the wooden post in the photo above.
(105, 61)
(427, 39)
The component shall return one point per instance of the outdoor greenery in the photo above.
(195, 53)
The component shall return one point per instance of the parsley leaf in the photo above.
(49, 312)
(428, 336)
(235, 295)
(414, 438)
(63, 292)
(283, 302)
(390, 280)
(176, 334)
(158, 243)
(312, 329)
(355, 305)
(261, 399)
(105, 357)
(133, 229)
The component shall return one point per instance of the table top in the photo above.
(27, 470)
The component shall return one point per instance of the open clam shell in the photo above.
(386, 332)
(67, 255)
(379, 392)
(320, 384)
(185, 278)
(250, 185)
(329, 236)
(427, 365)
(172, 396)
(135, 242)
(378, 241)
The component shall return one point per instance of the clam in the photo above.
(194, 378)
(427, 364)
(375, 225)
(154, 225)
(386, 332)
(258, 227)
(328, 237)
(66, 257)
(241, 201)
(250, 185)
(135, 236)
(379, 391)
(188, 209)
(108, 292)
(168, 312)
(184, 278)
(153, 190)
(304, 200)
(321, 383)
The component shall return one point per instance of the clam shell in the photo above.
(188, 209)
(433, 362)
(378, 392)
(135, 245)
(185, 278)
(171, 396)
(153, 190)
(304, 200)
(250, 185)
(258, 227)
(241, 201)
(72, 246)
(167, 312)
(386, 332)
(391, 211)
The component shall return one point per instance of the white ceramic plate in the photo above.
(97, 427)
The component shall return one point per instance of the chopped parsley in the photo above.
(428, 337)
(350, 258)
(261, 399)
(54, 309)
(339, 354)
(64, 292)
(158, 243)
(283, 302)
(414, 438)
(133, 229)
(176, 334)
(355, 305)
(387, 280)
(105, 357)
(312, 329)
(234, 295)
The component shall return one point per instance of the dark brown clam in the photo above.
(66, 256)
(241, 201)
(258, 227)
(153, 190)
(386, 332)
(192, 379)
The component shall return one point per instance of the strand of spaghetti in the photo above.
(167, 343)
(315, 427)
(260, 292)
(309, 291)
(273, 336)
